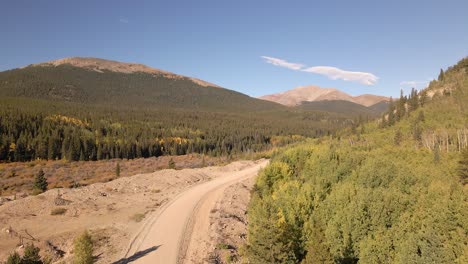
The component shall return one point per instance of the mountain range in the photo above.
(107, 82)
(303, 94)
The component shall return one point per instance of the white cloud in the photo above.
(283, 63)
(336, 73)
(414, 84)
(123, 20)
(331, 72)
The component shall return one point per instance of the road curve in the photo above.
(167, 234)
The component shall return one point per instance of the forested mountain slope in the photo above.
(111, 83)
(392, 191)
(92, 109)
(344, 107)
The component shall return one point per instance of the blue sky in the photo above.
(255, 47)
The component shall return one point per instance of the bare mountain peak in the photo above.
(370, 99)
(313, 93)
(100, 65)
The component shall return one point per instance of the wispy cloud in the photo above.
(123, 20)
(331, 72)
(414, 84)
(283, 63)
(336, 73)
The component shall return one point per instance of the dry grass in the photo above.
(58, 211)
(18, 177)
(138, 217)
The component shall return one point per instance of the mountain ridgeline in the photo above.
(305, 94)
(97, 81)
(345, 107)
(388, 191)
(92, 109)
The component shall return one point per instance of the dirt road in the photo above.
(179, 229)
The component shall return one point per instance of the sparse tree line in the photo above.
(449, 133)
(403, 107)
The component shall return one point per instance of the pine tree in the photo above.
(40, 183)
(51, 149)
(413, 102)
(441, 75)
(391, 113)
(99, 152)
(423, 97)
(463, 166)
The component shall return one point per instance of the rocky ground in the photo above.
(229, 224)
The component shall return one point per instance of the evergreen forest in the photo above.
(72, 113)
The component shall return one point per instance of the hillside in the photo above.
(302, 94)
(104, 82)
(101, 65)
(94, 109)
(344, 107)
(390, 191)
(380, 107)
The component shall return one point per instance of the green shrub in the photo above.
(222, 246)
(31, 256)
(171, 164)
(83, 249)
(231, 258)
(14, 258)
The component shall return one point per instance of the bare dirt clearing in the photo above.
(114, 211)
(18, 177)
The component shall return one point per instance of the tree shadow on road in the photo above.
(136, 256)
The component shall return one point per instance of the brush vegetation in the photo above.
(390, 191)
(83, 249)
